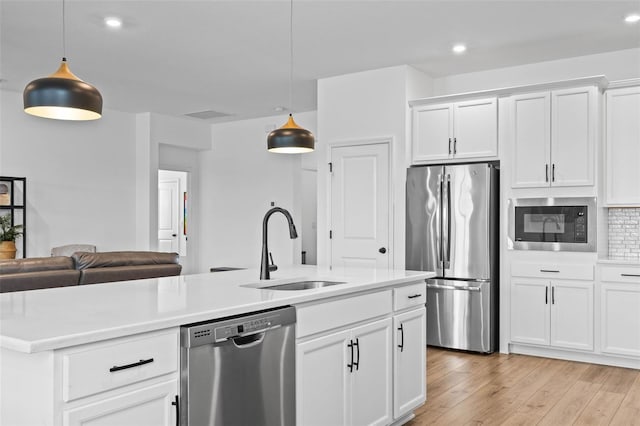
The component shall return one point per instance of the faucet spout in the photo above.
(265, 267)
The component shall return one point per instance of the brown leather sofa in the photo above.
(85, 268)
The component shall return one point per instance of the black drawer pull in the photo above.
(135, 364)
(414, 296)
(549, 270)
(630, 275)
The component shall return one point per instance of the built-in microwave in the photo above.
(557, 224)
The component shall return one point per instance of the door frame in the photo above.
(385, 140)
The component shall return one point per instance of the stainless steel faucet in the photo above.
(267, 267)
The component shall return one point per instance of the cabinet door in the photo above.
(620, 318)
(409, 363)
(573, 132)
(572, 314)
(371, 385)
(150, 406)
(432, 137)
(475, 128)
(623, 146)
(531, 140)
(322, 380)
(530, 300)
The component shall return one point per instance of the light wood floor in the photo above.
(470, 389)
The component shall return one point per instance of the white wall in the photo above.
(367, 106)
(79, 176)
(239, 179)
(618, 65)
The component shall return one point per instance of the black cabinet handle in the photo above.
(382, 250)
(553, 173)
(553, 295)
(135, 364)
(175, 403)
(630, 275)
(449, 146)
(414, 296)
(455, 143)
(546, 295)
(350, 365)
(357, 345)
(401, 330)
(549, 270)
(546, 173)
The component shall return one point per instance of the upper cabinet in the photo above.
(623, 146)
(554, 138)
(455, 131)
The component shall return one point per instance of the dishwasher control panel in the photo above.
(237, 329)
(219, 331)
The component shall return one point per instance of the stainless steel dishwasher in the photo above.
(239, 370)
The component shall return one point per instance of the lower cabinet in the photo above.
(346, 377)
(409, 366)
(620, 311)
(555, 313)
(152, 406)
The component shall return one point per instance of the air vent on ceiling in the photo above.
(207, 115)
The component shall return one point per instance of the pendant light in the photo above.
(62, 95)
(290, 138)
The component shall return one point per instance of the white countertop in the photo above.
(39, 320)
(619, 261)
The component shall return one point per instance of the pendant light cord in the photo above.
(64, 38)
(291, 56)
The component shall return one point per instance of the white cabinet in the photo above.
(409, 366)
(620, 310)
(623, 146)
(460, 130)
(153, 406)
(554, 138)
(551, 311)
(345, 378)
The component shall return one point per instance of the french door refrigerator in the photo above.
(452, 228)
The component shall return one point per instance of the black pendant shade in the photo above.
(62, 96)
(290, 139)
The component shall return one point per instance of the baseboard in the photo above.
(403, 420)
(569, 355)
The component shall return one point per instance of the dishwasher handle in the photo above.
(453, 287)
(248, 341)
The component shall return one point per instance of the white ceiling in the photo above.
(179, 57)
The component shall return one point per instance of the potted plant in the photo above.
(8, 235)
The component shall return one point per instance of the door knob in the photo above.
(382, 250)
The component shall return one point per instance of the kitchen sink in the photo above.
(303, 285)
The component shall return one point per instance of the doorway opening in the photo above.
(172, 212)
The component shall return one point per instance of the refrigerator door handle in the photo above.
(447, 258)
(452, 287)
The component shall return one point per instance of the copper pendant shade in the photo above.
(62, 96)
(290, 139)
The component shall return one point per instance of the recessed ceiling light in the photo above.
(459, 48)
(113, 22)
(632, 19)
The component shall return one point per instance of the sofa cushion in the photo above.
(85, 260)
(37, 273)
(35, 264)
(124, 273)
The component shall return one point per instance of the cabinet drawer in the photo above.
(577, 271)
(620, 274)
(95, 368)
(410, 295)
(341, 312)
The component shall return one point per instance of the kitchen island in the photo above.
(58, 345)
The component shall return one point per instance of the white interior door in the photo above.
(360, 206)
(168, 216)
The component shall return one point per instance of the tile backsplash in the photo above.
(624, 233)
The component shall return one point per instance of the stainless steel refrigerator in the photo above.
(452, 228)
